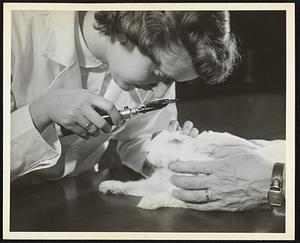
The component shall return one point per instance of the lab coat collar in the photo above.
(61, 43)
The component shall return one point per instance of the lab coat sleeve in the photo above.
(272, 151)
(31, 150)
(138, 132)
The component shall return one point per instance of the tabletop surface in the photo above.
(75, 204)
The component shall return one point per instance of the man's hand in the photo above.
(233, 183)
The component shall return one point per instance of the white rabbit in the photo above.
(167, 147)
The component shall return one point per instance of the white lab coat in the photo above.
(43, 58)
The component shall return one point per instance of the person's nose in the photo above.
(160, 89)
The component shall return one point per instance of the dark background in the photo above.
(251, 102)
(261, 41)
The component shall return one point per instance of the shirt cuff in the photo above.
(273, 151)
(31, 150)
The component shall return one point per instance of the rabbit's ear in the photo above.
(155, 134)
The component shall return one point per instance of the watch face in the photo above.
(275, 198)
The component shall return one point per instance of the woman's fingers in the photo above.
(107, 107)
(187, 127)
(79, 131)
(86, 124)
(173, 126)
(96, 119)
(194, 132)
(90, 128)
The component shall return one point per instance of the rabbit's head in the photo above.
(167, 147)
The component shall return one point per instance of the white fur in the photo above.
(163, 149)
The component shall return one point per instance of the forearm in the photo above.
(39, 114)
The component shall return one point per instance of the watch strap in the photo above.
(277, 175)
(275, 194)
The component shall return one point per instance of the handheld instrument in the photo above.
(128, 113)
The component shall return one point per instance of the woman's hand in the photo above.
(73, 109)
(233, 183)
(187, 128)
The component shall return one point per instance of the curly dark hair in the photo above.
(205, 34)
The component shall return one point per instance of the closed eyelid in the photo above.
(157, 72)
(168, 79)
(176, 140)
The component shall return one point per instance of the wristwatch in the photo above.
(275, 194)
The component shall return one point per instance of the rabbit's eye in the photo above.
(175, 140)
